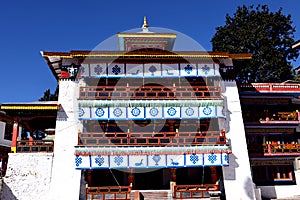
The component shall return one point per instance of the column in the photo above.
(131, 177)
(89, 177)
(213, 173)
(173, 174)
(14, 138)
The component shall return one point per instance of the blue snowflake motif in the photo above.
(189, 111)
(188, 69)
(207, 110)
(171, 111)
(226, 158)
(99, 112)
(212, 158)
(78, 161)
(99, 160)
(118, 160)
(205, 69)
(153, 112)
(117, 112)
(194, 158)
(80, 112)
(116, 70)
(135, 111)
(98, 69)
(156, 159)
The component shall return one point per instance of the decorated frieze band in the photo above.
(151, 161)
(155, 112)
(149, 70)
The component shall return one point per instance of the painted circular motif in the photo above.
(207, 110)
(153, 112)
(171, 111)
(80, 112)
(117, 112)
(99, 112)
(189, 111)
(135, 111)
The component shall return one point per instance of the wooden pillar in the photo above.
(173, 174)
(89, 177)
(131, 177)
(213, 172)
(14, 138)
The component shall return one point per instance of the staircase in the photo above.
(152, 195)
(157, 195)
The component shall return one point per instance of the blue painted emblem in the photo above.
(98, 69)
(99, 112)
(152, 69)
(117, 112)
(116, 70)
(205, 69)
(135, 111)
(188, 69)
(207, 110)
(156, 159)
(226, 158)
(173, 162)
(153, 112)
(118, 160)
(189, 111)
(194, 158)
(99, 160)
(78, 161)
(80, 112)
(212, 158)
(171, 111)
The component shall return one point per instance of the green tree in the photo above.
(268, 36)
(50, 97)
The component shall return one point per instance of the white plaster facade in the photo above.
(28, 176)
(237, 177)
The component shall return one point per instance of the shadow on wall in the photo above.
(6, 193)
(61, 114)
(229, 172)
(82, 195)
(248, 186)
(268, 192)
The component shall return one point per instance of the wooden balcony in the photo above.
(274, 149)
(108, 193)
(149, 92)
(151, 139)
(195, 191)
(35, 146)
(270, 87)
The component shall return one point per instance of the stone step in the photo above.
(157, 195)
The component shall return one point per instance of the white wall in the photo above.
(237, 177)
(65, 180)
(27, 177)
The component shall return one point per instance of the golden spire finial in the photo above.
(145, 25)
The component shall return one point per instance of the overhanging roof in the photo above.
(54, 59)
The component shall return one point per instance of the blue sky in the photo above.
(28, 27)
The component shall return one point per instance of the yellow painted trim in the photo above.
(13, 149)
(147, 35)
(29, 107)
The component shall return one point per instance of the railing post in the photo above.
(14, 137)
(269, 149)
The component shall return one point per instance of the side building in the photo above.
(271, 118)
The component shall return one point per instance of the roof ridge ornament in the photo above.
(145, 25)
